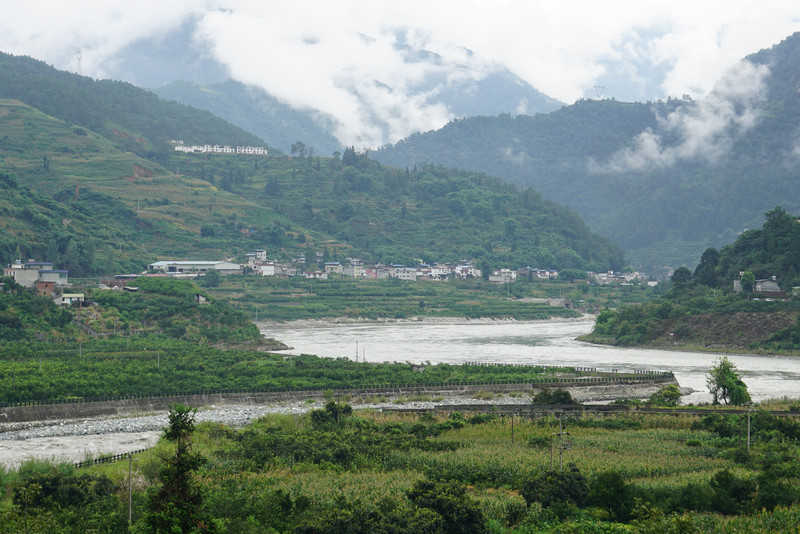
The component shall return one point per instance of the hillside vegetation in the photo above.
(135, 120)
(702, 311)
(159, 307)
(652, 176)
(83, 195)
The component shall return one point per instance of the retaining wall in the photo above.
(582, 391)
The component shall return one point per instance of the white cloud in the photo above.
(343, 58)
(703, 129)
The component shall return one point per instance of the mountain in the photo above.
(180, 66)
(255, 111)
(665, 180)
(71, 196)
(700, 311)
(134, 119)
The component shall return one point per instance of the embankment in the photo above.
(582, 389)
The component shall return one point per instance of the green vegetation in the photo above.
(725, 384)
(192, 206)
(334, 470)
(23, 315)
(174, 309)
(148, 366)
(702, 311)
(136, 120)
(661, 213)
(284, 299)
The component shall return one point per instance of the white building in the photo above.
(194, 267)
(27, 274)
(503, 276)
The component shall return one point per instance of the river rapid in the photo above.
(431, 340)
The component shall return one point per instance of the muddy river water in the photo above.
(531, 343)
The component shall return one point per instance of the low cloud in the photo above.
(703, 129)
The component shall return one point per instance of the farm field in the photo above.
(333, 469)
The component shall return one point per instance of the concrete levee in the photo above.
(583, 390)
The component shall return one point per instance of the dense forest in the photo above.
(634, 171)
(702, 310)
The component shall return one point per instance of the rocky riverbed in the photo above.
(77, 440)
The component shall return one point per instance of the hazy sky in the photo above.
(342, 57)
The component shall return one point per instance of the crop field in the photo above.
(483, 473)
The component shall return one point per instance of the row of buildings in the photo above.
(219, 149)
(257, 263)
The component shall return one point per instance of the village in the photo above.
(42, 278)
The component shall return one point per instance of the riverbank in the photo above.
(76, 439)
(426, 320)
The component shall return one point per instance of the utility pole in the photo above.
(561, 445)
(130, 492)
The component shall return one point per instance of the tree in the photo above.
(669, 395)
(706, 271)
(212, 278)
(725, 383)
(350, 157)
(610, 492)
(748, 280)
(449, 499)
(553, 396)
(568, 487)
(299, 149)
(681, 277)
(177, 505)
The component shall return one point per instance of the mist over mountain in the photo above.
(663, 179)
(179, 66)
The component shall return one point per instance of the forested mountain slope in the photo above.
(665, 179)
(702, 310)
(134, 119)
(76, 200)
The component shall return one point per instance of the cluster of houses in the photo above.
(257, 263)
(42, 278)
(218, 149)
(611, 277)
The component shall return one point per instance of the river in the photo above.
(530, 343)
(447, 341)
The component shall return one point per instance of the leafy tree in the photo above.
(177, 505)
(449, 499)
(748, 281)
(553, 396)
(557, 487)
(333, 412)
(299, 149)
(706, 271)
(725, 383)
(350, 157)
(570, 275)
(610, 492)
(212, 278)
(681, 277)
(669, 395)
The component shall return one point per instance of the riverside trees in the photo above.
(725, 383)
